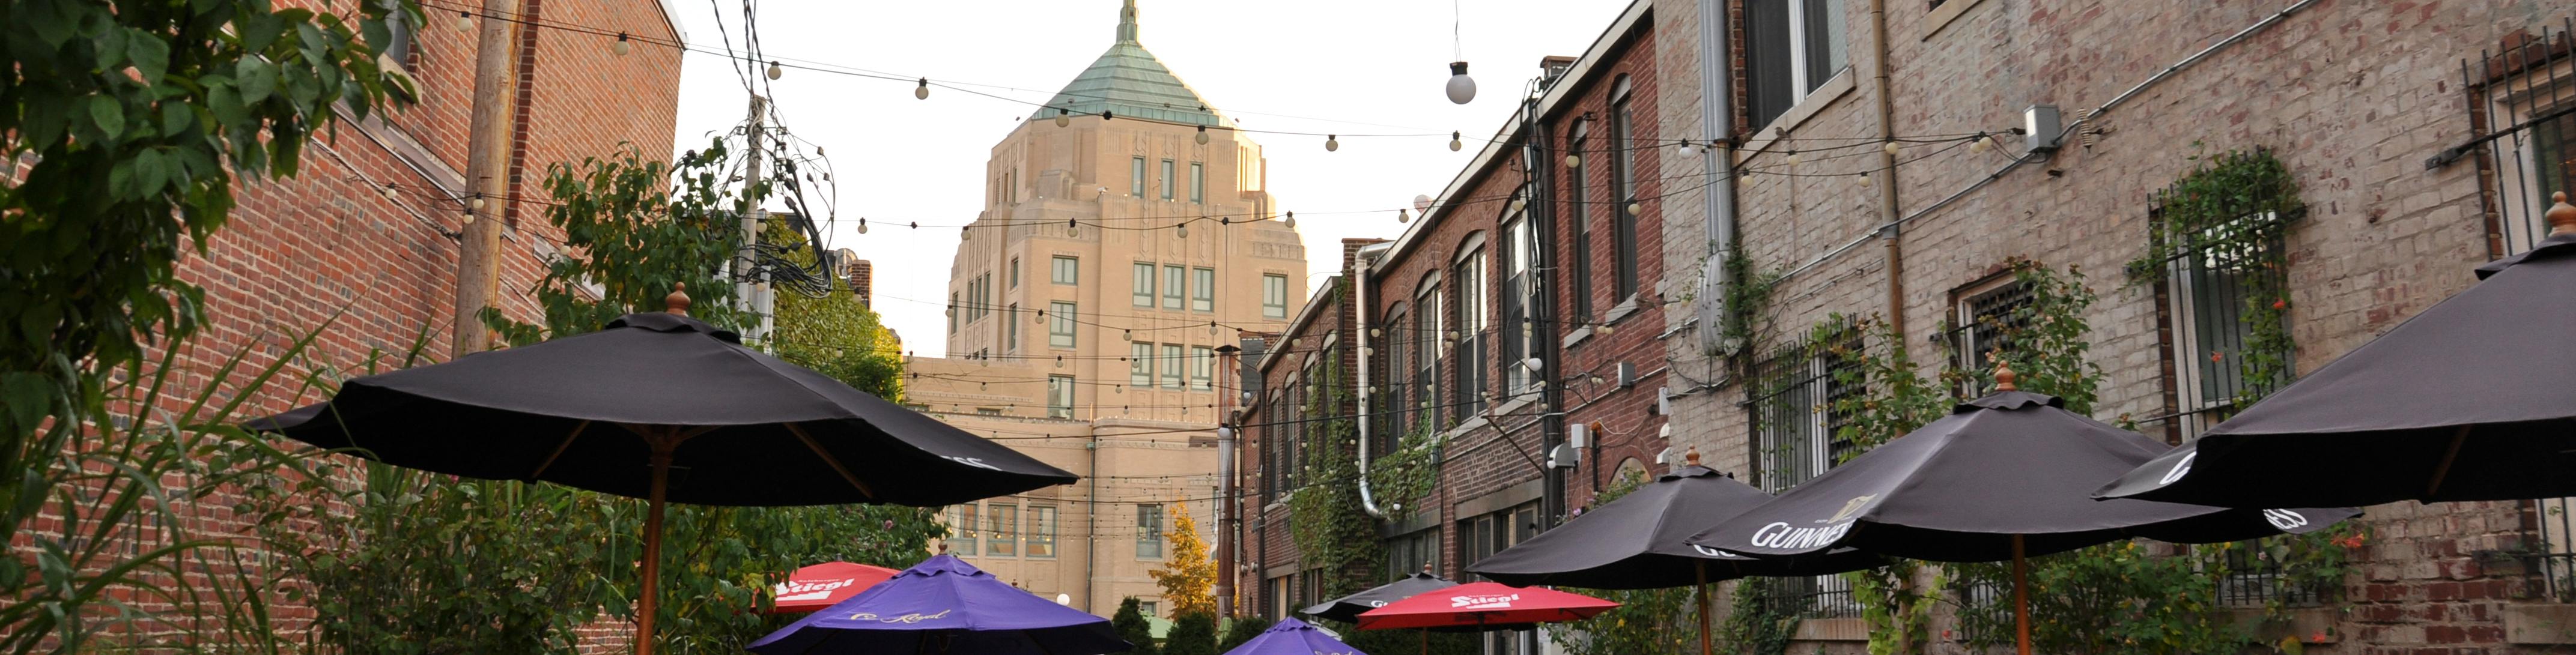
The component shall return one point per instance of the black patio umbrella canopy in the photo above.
(1641, 541)
(1347, 609)
(2473, 399)
(2003, 477)
(663, 407)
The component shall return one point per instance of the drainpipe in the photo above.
(1892, 237)
(1716, 114)
(1091, 515)
(1359, 296)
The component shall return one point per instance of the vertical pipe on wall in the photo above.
(1893, 236)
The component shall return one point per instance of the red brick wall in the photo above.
(329, 246)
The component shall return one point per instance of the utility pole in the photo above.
(756, 134)
(1229, 429)
(478, 260)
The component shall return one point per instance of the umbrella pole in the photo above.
(653, 545)
(2021, 598)
(1701, 568)
(1426, 641)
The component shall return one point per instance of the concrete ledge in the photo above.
(2540, 623)
(1851, 629)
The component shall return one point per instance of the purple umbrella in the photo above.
(944, 605)
(1294, 637)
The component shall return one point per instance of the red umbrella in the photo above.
(1483, 604)
(826, 584)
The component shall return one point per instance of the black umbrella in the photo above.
(1347, 609)
(2473, 399)
(2003, 477)
(1640, 541)
(663, 407)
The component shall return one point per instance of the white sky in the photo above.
(1339, 66)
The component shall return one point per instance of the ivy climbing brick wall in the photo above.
(2352, 97)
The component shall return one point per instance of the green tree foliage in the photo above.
(128, 123)
(1646, 620)
(1241, 629)
(1130, 624)
(1193, 633)
(1759, 624)
(1191, 575)
(833, 333)
(633, 240)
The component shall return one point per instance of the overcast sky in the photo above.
(1343, 66)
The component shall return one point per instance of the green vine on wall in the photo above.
(2229, 218)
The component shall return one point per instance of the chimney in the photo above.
(862, 275)
(1555, 66)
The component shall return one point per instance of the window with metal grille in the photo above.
(1394, 407)
(1792, 47)
(2523, 104)
(1795, 436)
(2208, 289)
(1987, 318)
(1428, 345)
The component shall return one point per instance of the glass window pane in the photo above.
(1171, 366)
(1198, 182)
(1067, 270)
(1060, 324)
(962, 526)
(1167, 179)
(1003, 540)
(1041, 541)
(1175, 281)
(1274, 296)
(1203, 290)
(1202, 367)
(1136, 178)
(1144, 285)
(1149, 531)
(1140, 365)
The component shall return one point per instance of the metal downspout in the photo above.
(1359, 297)
(1894, 236)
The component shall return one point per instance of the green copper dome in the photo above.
(1129, 82)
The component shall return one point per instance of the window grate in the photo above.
(2522, 103)
(1983, 323)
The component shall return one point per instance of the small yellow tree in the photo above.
(1189, 581)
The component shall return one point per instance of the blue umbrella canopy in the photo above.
(1293, 637)
(944, 605)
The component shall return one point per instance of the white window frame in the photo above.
(1059, 396)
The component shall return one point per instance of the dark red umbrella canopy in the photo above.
(824, 585)
(1483, 603)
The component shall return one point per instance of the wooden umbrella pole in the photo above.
(1701, 568)
(1426, 641)
(653, 543)
(2021, 597)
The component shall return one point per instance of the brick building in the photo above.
(2423, 139)
(332, 241)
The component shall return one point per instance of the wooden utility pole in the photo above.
(478, 261)
(755, 135)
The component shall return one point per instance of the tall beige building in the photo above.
(1126, 236)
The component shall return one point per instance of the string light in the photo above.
(1292, 220)
(1861, 178)
(922, 91)
(1573, 160)
(1461, 87)
(476, 203)
(1891, 147)
(1978, 145)
(1332, 142)
(1689, 150)
(863, 225)
(1202, 137)
(1456, 141)
(464, 21)
(1401, 217)
(1063, 117)
(621, 47)
(1517, 205)
(1793, 158)
(775, 70)
(1635, 207)
(1183, 228)
(965, 234)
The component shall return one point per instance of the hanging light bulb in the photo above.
(1292, 220)
(1202, 137)
(1635, 207)
(922, 90)
(1332, 142)
(1891, 147)
(1063, 117)
(965, 234)
(621, 47)
(863, 225)
(1793, 158)
(775, 71)
(1401, 217)
(476, 203)
(1977, 143)
(1461, 87)
(1183, 228)
(464, 22)
(1689, 150)
(1106, 114)
(390, 193)
(1519, 204)
(1456, 141)
(1573, 160)
(1861, 179)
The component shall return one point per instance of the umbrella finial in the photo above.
(2562, 217)
(1692, 457)
(2004, 377)
(678, 301)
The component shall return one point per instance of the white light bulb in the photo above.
(1401, 217)
(1608, 330)
(1978, 145)
(621, 47)
(1518, 204)
(464, 22)
(1183, 229)
(1461, 87)
(922, 91)
(1574, 161)
(1891, 147)
(1063, 118)
(964, 234)
(1332, 142)
(389, 192)
(1202, 137)
(1292, 220)
(476, 203)
(775, 71)
(1793, 158)
(1861, 179)
(1689, 150)
(1456, 142)
(863, 226)
(1633, 208)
